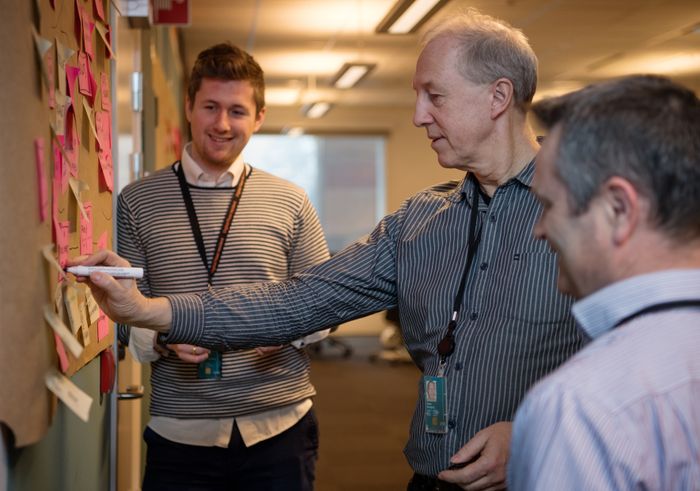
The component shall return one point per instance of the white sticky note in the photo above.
(69, 393)
(60, 328)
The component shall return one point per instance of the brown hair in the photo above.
(227, 62)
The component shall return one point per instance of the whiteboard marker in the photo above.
(136, 273)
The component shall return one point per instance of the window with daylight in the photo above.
(343, 176)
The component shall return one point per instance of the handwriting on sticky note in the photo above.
(86, 230)
(72, 306)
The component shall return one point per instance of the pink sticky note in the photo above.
(84, 74)
(62, 242)
(61, 352)
(93, 86)
(102, 326)
(103, 128)
(107, 172)
(102, 241)
(41, 178)
(104, 86)
(88, 29)
(71, 143)
(72, 72)
(86, 229)
(62, 166)
(99, 9)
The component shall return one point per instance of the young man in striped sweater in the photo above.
(240, 419)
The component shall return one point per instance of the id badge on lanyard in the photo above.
(211, 367)
(434, 387)
(435, 397)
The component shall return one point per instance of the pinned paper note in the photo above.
(102, 242)
(92, 307)
(71, 143)
(99, 9)
(72, 74)
(83, 80)
(70, 298)
(102, 326)
(41, 179)
(104, 129)
(88, 28)
(78, 186)
(61, 353)
(62, 54)
(88, 113)
(62, 331)
(62, 242)
(47, 252)
(63, 102)
(105, 93)
(43, 47)
(86, 230)
(69, 393)
(84, 325)
(103, 31)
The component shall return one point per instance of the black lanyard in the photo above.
(446, 346)
(674, 304)
(194, 222)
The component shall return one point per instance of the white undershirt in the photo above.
(253, 428)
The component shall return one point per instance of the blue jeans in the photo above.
(286, 462)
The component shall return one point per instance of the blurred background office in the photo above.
(339, 123)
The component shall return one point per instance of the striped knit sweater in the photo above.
(275, 233)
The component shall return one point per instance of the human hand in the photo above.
(120, 299)
(266, 350)
(189, 353)
(488, 452)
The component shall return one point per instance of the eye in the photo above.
(436, 99)
(238, 112)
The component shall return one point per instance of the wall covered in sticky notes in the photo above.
(56, 184)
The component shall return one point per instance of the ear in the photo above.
(188, 108)
(502, 96)
(623, 210)
(259, 119)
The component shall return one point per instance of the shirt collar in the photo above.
(524, 177)
(196, 176)
(603, 310)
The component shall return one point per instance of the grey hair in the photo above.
(491, 49)
(643, 128)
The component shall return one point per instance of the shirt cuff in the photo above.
(187, 325)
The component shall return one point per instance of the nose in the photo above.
(421, 116)
(222, 123)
